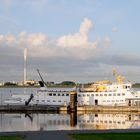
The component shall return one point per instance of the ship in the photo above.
(101, 93)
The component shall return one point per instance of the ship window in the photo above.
(114, 94)
(43, 100)
(92, 94)
(67, 94)
(48, 100)
(83, 95)
(62, 94)
(87, 94)
(59, 101)
(58, 94)
(123, 94)
(50, 94)
(101, 94)
(105, 94)
(79, 95)
(119, 122)
(96, 115)
(79, 121)
(109, 94)
(54, 101)
(96, 94)
(118, 94)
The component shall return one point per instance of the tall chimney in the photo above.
(25, 58)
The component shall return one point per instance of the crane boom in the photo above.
(42, 83)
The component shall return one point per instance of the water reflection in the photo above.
(31, 122)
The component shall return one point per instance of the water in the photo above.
(49, 121)
(42, 122)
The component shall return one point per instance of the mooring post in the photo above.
(73, 101)
(73, 108)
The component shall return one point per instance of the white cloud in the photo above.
(6, 3)
(107, 41)
(9, 38)
(114, 29)
(85, 26)
(79, 39)
(76, 46)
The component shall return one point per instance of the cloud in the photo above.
(79, 39)
(114, 29)
(85, 26)
(125, 59)
(6, 3)
(107, 41)
(75, 46)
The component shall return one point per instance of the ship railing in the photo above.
(133, 91)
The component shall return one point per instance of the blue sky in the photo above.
(80, 40)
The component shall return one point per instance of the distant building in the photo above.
(50, 83)
(28, 83)
(1, 84)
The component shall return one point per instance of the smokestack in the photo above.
(25, 59)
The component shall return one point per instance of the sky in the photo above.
(76, 40)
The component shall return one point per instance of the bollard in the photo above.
(73, 101)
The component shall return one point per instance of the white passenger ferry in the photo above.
(103, 93)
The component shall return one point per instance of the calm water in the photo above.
(34, 122)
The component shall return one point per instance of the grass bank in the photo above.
(107, 136)
(11, 137)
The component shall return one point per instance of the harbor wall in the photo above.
(58, 109)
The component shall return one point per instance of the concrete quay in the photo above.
(59, 109)
(109, 109)
(23, 108)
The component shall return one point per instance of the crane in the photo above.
(119, 78)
